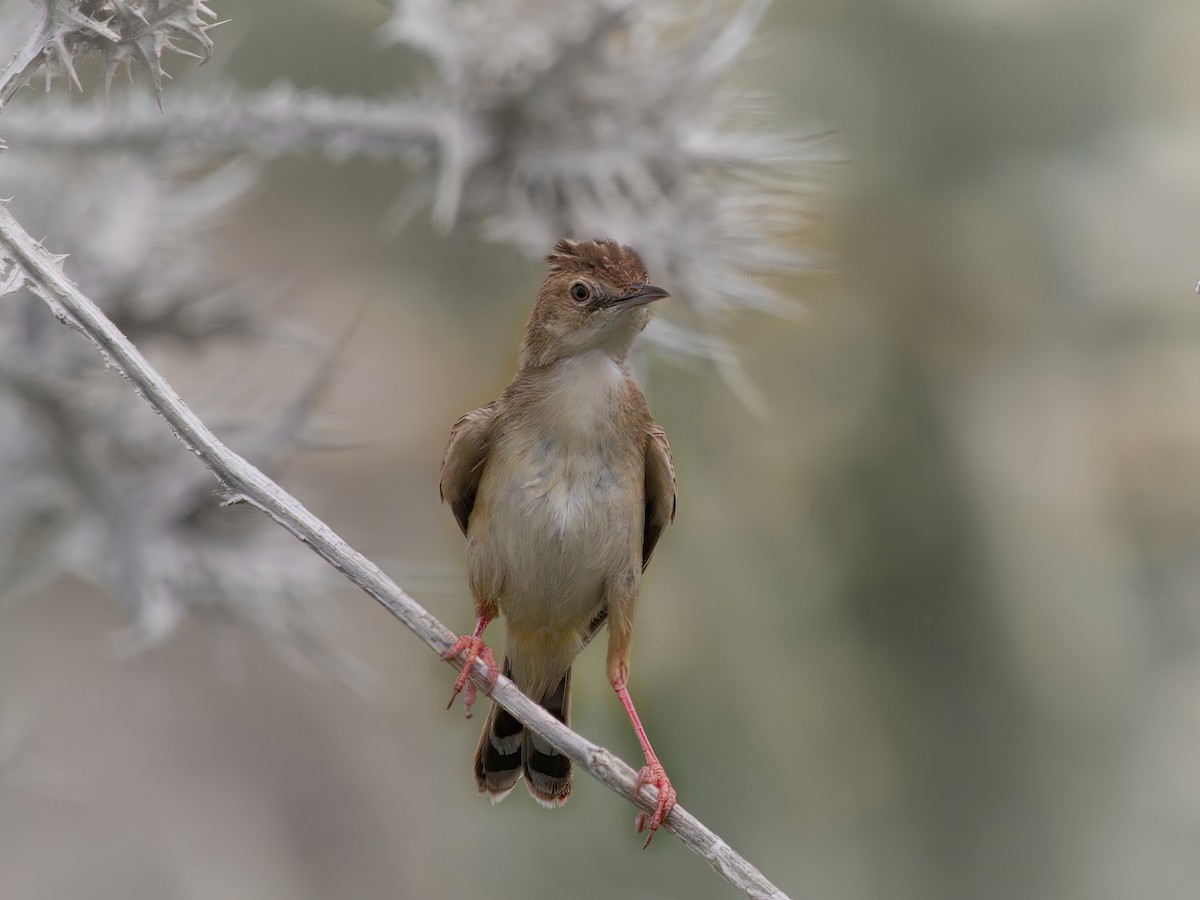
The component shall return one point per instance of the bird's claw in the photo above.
(475, 649)
(653, 773)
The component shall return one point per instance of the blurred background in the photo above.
(927, 623)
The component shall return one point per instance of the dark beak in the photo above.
(638, 295)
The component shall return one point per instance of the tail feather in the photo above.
(507, 751)
(548, 772)
(498, 757)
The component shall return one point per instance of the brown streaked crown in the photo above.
(605, 260)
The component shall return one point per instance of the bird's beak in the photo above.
(638, 295)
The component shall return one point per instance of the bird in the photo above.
(563, 487)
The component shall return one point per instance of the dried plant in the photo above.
(120, 32)
(92, 485)
(598, 118)
(595, 118)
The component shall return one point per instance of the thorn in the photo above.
(64, 56)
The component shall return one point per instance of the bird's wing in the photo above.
(660, 490)
(462, 465)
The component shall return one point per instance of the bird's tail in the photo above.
(507, 751)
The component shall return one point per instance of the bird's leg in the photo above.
(652, 772)
(475, 649)
(619, 603)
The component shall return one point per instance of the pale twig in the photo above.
(247, 484)
(283, 120)
(270, 123)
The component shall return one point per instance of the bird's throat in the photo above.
(578, 396)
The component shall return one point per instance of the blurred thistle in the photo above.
(538, 121)
(535, 121)
(93, 485)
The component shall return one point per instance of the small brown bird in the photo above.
(563, 487)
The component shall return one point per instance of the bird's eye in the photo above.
(580, 291)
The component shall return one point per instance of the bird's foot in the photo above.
(475, 649)
(653, 773)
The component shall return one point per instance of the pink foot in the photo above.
(652, 773)
(475, 649)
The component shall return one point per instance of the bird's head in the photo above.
(595, 297)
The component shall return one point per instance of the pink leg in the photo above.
(475, 649)
(651, 773)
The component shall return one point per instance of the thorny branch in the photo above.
(274, 122)
(18, 70)
(247, 484)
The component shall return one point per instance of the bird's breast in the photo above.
(562, 517)
(560, 499)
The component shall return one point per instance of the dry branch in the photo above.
(20, 68)
(245, 483)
